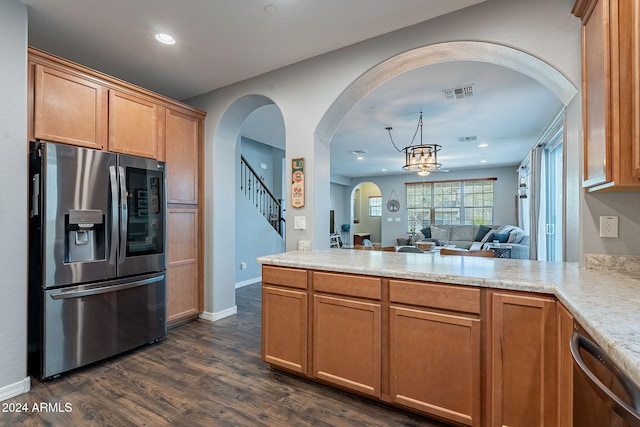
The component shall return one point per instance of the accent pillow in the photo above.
(426, 232)
(482, 232)
(439, 233)
(516, 235)
(502, 238)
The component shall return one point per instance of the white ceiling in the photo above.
(507, 111)
(220, 42)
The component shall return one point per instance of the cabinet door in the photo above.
(564, 321)
(346, 348)
(597, 80)
(284, 328)
(435, 364)
(523, 361)
(182, 151)
(69, 108)
(183, 284)
(635, 75)
(133, 125)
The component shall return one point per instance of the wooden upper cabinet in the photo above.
(182, 150)
(69, 108)
(636, 86)
(611, 157)
(133, 125)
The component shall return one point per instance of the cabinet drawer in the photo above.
(291, 277)
(345, 284)
(445, 297)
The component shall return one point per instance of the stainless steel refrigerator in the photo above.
(97, 256)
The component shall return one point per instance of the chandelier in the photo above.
(421, 158)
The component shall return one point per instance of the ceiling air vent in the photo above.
(468, 138)
(458, 92)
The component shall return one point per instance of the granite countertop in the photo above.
(605, 303)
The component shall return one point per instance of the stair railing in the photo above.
(260, 196)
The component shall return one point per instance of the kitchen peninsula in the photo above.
(473, 341)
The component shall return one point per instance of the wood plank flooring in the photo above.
(202, 374)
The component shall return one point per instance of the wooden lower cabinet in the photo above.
(564, 323)
(523, 361)
(346, 343)
(183, 284)
(458, 354)
(284, 328)
(435, 364)
(285, 318)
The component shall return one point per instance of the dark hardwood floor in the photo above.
(202, 374)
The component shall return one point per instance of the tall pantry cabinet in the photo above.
(71, 104)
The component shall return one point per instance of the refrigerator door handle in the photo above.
(113, 244)
(106, 289)
(124, 213)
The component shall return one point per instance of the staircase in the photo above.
(260, 196)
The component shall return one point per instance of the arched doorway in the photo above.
(445, 52)
(366, 213)
(220, 222)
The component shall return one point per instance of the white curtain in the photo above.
(538, 235)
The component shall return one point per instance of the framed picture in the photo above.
(297, 182)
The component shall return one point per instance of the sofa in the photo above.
(477, 236)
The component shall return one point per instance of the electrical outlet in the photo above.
(609, 226)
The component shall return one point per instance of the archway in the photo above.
(366, 217)
(443, 52)
(220, 240)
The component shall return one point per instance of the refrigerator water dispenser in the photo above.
(85, 235)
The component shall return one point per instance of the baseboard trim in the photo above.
(13, 390)
(248, 282)
(212, 317)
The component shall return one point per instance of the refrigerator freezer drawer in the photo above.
(85, 324)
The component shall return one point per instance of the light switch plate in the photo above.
(609, 226)
(300, 222)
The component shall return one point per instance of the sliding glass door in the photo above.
(554, 198)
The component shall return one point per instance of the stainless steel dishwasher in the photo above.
(603, 395)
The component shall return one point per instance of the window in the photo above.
(449, 203)
(375, 205)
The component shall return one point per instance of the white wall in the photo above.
(304, 92)
(13, 194)
(254, 235)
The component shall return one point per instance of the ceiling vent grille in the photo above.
(468, 138)
(458, 92)
(357, 152)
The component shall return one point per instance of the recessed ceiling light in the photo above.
(360, 158)
(483, 161)
(483, 145)
(165, 38)
(383, 169)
